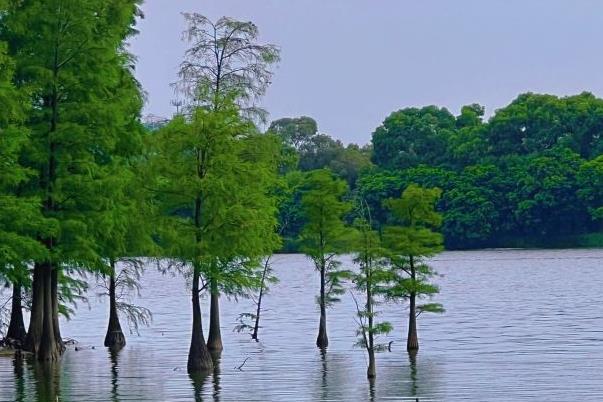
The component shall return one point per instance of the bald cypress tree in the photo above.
(71, 61)
(225, 60)
(324, 237)
(409, 244)
(20, 217)
(212, 177)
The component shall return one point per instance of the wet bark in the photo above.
(412, 343)
(199, 358)
(114, 339)
(34, 333)
(322, 341)
(16, 328)
(214, 339)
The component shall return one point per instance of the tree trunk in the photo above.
(413, 340)
(371, 371)
(115, 338)
(256, 326)
(412, 343)
(50, 348)
(55, 309)
(322, 341)
(34, 333)
(214, 339)
(16, 328)
(199, 358)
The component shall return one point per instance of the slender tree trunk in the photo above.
(49, 346)
(412, 343)
(16, 328)
(256, 326)
(214, 339)
(115, 338)
(36, 320)
(371, 371)
(322, 341)
(199, 358)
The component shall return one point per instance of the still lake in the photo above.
(519, 324)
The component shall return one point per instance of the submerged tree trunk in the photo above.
(55, 309)
(199, 358)
(256, 326)
(16, 328)
(214, 339)
(36, 319)
(50, 346)
(412, 343)
(371, 371)
(322, 341)
(114, 339)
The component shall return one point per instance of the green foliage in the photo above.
(590, 183)
(411, 137)
(524, 174)
(20, 217)
(324, 235)
(213, 218)
(373, 279)
(308, 150)
(411, 243)
(85, 108)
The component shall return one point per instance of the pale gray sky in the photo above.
(349, 63)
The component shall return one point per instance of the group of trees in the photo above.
(87, 190)
(528, 176)
(390, 258)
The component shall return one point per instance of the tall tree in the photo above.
(372, 279)
(213, 174)
(70, 59)
(324, 236)
(124, 233)
(20, 217)
(225, 63)
(408, 245)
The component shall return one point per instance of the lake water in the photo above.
(518, 324)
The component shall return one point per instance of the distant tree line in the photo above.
(531, 175)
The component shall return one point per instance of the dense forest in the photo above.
(88, 193)
(529, 176)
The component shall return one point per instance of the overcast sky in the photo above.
(349, 63)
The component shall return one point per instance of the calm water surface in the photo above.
(520, 324)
